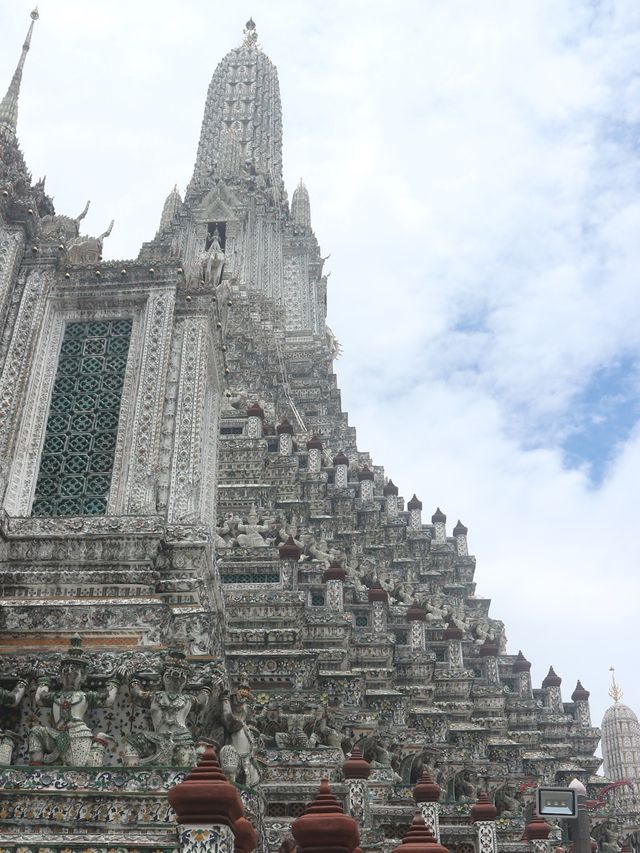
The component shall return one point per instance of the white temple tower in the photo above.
(621, 744)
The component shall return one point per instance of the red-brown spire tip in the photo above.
(255, 410)
(365, 474)
(580, 694)
(356, 767)
(426, 790)
(483, 809)
(521, 664)
(438, 515)
(289, 550)
(552, 679)
(537, 829)
(314, 443)
(205, 796)
(460, 529)
(419, 839)
(334, 572)
(416, 613)
(324, 825)
(452, 631)
(390, 488)
(246, 838)
(377, 593)
(490, 648)
(340, 459)
(284, 427)
(414, 503)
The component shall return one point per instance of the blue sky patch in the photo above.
(603, 417)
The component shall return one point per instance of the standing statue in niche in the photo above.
(171, 742)
(237, 756)
(69, 739)
(212, 261)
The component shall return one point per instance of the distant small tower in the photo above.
(172, 204)
(621, 742)
(301, 207)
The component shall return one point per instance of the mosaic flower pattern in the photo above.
(80, 440)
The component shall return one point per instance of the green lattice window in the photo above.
(79, 444)
(362, 621)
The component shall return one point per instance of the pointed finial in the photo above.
(615, 690)
(250, 39)
(9, 104)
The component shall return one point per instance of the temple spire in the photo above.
(241, 136)
(9, 104)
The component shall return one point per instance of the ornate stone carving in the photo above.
(171, 741)
(69, 740)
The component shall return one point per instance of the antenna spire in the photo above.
(615, 691)
(9, 104)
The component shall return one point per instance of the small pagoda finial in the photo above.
(9, 104)
(250, 39)
(615, 690)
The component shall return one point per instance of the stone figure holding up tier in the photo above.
(250, 535)
(69, 740)
(171, 742)
(10, 699)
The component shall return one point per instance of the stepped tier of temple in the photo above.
(197, 561)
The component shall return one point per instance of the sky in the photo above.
(474, 176)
